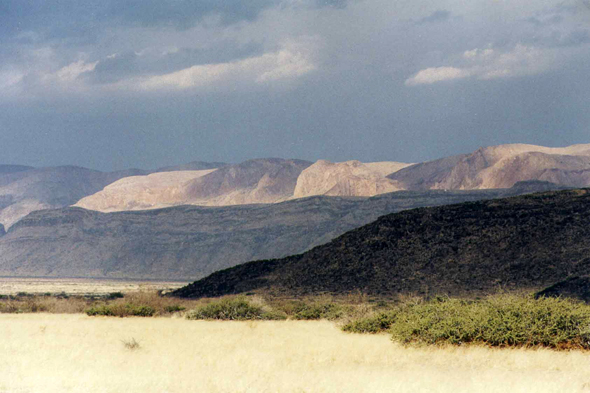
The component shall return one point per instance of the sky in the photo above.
(147, 83)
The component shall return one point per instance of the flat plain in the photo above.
(80, 286)
(76, 353)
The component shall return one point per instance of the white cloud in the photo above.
(490, 63)
(292, 61)
(437, 74)
(74, 70)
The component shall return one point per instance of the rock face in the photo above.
(500, 167)
(350, 178)
(188, 242)
(267, 180)
(156, 190)
(525, 242)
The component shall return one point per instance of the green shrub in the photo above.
(373, 324)
(506, 320)
(174, 308)
(115, 295)
(236, 309)
(317, 310)
(121, 310)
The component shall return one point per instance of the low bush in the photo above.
(236, 309)
(505, 320)
(373, 324)
(121, 310)
(318, 310)
(174, 308)
(115, 295)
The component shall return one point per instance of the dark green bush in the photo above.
(115, 295)
(374, 324)
(507, 320)
(120, 310)
(174, 308)
(317, 310)
(236, 309)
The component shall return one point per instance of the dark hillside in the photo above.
(471, 248)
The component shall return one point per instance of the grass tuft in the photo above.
(131, 344)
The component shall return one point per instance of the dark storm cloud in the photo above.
(184, 14)
(436, 16)
(77, 20)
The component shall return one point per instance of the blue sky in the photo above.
(149, 83)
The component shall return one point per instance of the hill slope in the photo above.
(521, 242)
(189, 242)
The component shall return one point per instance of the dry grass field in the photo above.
(76, 353)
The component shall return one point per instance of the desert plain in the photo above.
(50, 353)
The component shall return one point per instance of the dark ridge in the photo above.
(2, 231)
(471, 248)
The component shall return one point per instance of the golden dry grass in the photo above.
(75, 353)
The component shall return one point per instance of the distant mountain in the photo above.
(525, 242)
(156, 190)
(500, 167)
(277, 180)
(24, 191)
(274, 180)
(267, 180)
(189, 242)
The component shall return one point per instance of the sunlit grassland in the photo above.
(76, 353)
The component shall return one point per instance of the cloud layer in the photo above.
(134, 83)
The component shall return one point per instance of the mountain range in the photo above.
(190, 220)
(25, 189)
(189, 242)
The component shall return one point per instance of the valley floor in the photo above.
(80, 286)
(76, 353)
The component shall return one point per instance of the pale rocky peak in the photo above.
(156, 190)
(349, 178)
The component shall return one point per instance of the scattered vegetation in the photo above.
(143, 303)
(498, 320)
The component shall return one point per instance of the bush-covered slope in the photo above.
(470, 248)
